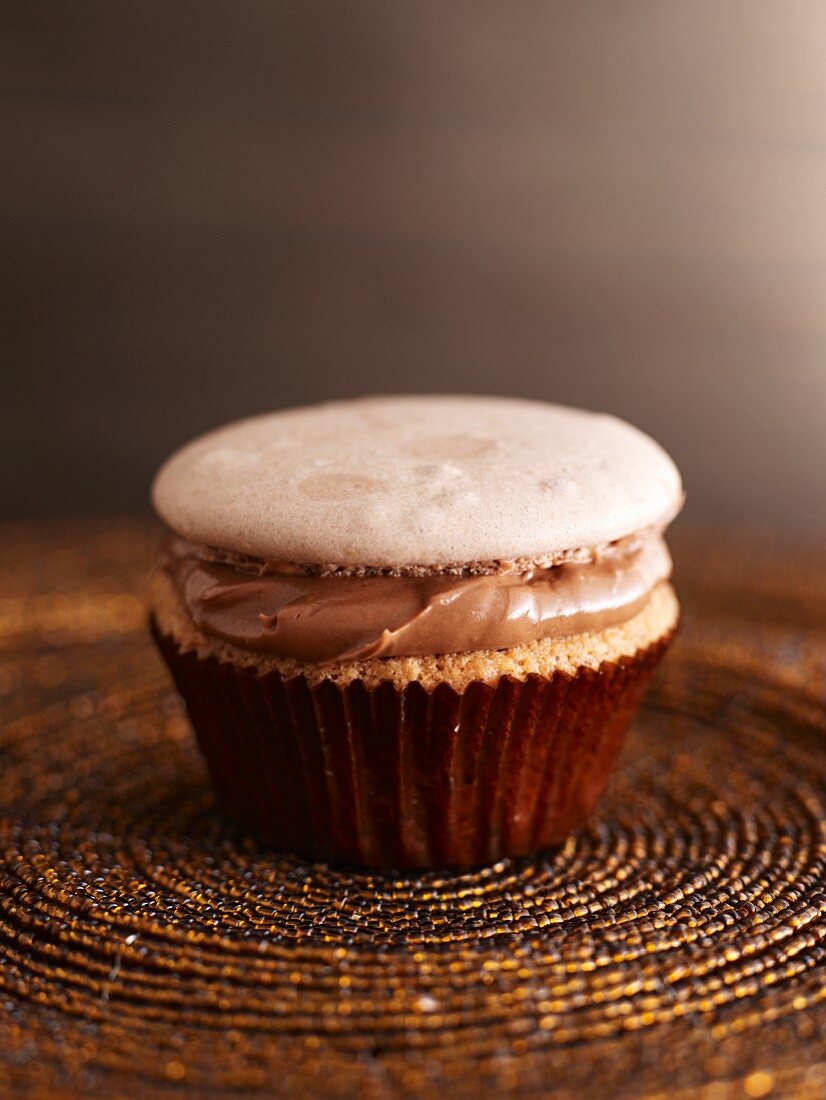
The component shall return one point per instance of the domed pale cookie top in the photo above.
(393, 481)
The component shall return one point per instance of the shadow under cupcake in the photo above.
(411, 631)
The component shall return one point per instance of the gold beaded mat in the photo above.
(676, 947)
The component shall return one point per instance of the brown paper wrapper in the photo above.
(396, 778)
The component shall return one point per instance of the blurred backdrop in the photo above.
(211, 209)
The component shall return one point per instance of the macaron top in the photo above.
(390, 482)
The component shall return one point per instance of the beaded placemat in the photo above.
(674, 947)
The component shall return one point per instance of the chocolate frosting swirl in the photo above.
(281, 610)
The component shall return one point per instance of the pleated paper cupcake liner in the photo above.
(404, 778)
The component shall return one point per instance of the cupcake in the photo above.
(411, 631)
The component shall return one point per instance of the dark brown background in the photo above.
(210, 209)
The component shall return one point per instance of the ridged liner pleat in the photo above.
(403, 778)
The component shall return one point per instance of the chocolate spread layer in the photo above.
(281, 610)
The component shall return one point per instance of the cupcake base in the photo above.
(373, 773)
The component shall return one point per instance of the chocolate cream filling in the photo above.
(281, 610)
